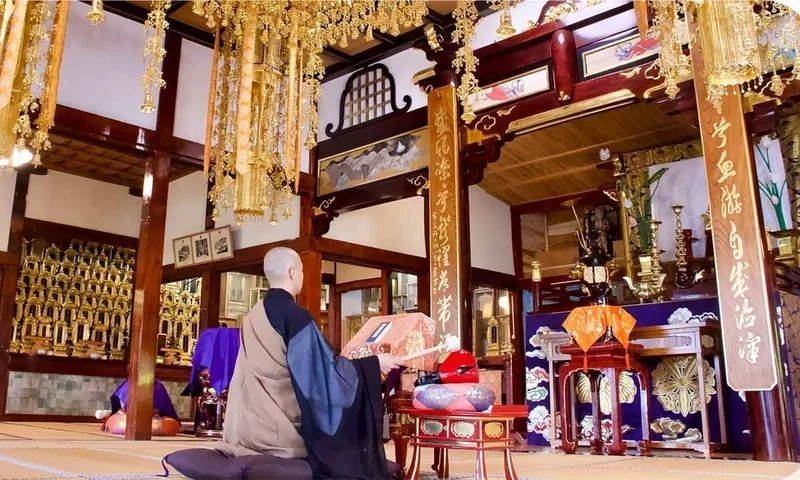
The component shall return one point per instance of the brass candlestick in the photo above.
(684, 277)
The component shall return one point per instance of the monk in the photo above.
(292, 397)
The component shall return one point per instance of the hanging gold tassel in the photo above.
(10, 75)
(212, 103)
(244, 104)
(50, 93)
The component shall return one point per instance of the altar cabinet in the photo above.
(292, 397)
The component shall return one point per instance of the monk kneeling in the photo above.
(292, 397)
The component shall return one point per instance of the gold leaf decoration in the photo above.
(675, 384)
(463, 429)
(494, 429)
(627, 391)
(432, 427)
(668, 428)
(414, 342)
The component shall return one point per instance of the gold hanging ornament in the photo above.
(156, 26)
(96, 15)
(265, 85)
(745, 44)
(32, 44)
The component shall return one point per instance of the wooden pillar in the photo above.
(8, 281)
(209, 299)
(146, 298)
(449, 249)
(311, 295)
(744, 276)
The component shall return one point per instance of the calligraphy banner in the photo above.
(444, 187)
(746, 305)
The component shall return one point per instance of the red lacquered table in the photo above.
(479, 432)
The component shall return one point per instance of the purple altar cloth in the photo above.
(538, 378)
(216, 350)
(161, 400)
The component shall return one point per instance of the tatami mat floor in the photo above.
(38, 451)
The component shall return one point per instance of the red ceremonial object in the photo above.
(459, 367)
(401, 335)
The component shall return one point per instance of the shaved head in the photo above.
(284, 269)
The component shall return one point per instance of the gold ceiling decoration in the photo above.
(154, 52)
(466, 18)
(746, 43)
(31, 45)
(266, 83)
(675, 384)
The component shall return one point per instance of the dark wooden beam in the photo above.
(134, 12)
(168, 98)
(243, 259)
(368, 256)
(107, 132)
(146, 299)
(8, 282)
(436, 17)
(538, 206)
(341, 56)
(385, 37)
(310, 296)
(60, 234)
(376, 282)
(176, 5)
(90, 368)
(209, 299)
(487, 278)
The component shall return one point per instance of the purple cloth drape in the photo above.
(216, 350)
(538, 379)
(161, 400)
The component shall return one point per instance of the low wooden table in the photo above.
(480, 432)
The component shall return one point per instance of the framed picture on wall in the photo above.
(201, 248)
(182, 249)
(221, 243)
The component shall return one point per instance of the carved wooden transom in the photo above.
(369, 93)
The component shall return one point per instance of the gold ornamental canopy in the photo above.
(267, 69)
(747, 44)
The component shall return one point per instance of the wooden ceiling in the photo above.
(106, 164)
(339, 60)
(562, 160)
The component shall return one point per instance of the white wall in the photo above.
(194, 79)
(83, 202)
(486, 31)
(186, 210)
(346, 272)
(328, 267)
(102, 67)
(251, 233)
(395, 226)
(490, 232)
(8, 183)
(402, 66)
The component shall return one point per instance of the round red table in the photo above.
(476, 431)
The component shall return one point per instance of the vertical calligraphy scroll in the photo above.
(746, 306)
(444, 189)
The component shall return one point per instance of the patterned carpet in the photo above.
(37, 451)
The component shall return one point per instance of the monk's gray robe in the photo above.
(262, 414)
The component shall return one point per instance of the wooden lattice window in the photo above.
(368, 94)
